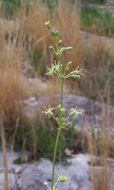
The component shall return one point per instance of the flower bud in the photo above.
(62, 179)
(48, 24)
(54, 33)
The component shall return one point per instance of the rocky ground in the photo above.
(36, 176)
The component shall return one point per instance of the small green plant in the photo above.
(61, 72)
(97, 21)
(10, 7)
(51, 4)
(94, 1)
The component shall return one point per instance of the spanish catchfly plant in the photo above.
(61, 72)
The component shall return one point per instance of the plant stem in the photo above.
(54, 157)
(61, 98)
(58, 136)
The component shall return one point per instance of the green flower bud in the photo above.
(52, 49)
(54, 34)
(68, 65)
(48, 24)
(62, 179)
(60, 42)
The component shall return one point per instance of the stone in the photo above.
(17, 170)
(87, 38)
(34, 176)
(68, 152)
(10, 158)
(39, 173)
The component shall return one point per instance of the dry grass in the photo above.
(38, 39)
(35, 37)
(12, 91)
(99, 149)
(68, 24)
(12, 86)
(97, 64)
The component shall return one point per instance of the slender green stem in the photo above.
(58, 136)
(61, 98)
(54, 157)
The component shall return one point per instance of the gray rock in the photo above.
(93, 114)
(10, 158)
(68, 152)
(88, 36)
(77, 173)
(33, 176)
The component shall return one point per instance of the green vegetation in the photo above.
(39, 139)
(36, 57)
(36, 138)
(97, 21)
(51, 3)
(95, 1)
(10, 7)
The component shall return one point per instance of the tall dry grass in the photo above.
(99, 150)
(68, 23)
(12, 92)
(12, 89)
(97, 65)
(37, 38)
